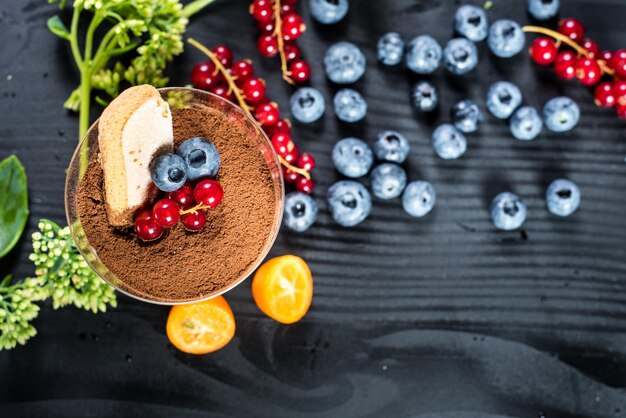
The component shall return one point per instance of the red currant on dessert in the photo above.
(145, 226)
(208, 193)
(300, 71)
(619, 92)
(292, 51)
(222, 91)
(166, 213)
(290, 176)
(588, 71)
(306, 162)
(621, 110)
(242, 70)
(183, 196)
(267, 114)
(572, 28)
(618, 63)
(267, 45)
(543, 51)
(204, 76)
(304, 185)
(564, 65)
(194, 221)
(603, 95)
(224, 55)
(591, 46)
(606, 55)
(253, 89)
(293, 27)
(267, 26)
(262, 10)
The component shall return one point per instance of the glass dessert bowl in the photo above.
(182, 266)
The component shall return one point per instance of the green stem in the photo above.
(74, 38)
(194, 7)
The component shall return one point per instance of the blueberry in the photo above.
(349, 105)
(390, 49)
(344, 63)
(201, 158)
(349, 202)
(168, 172)
(300, 211)
(328, 11)
(471, 22)
(543, 9)
(562, 197)
(419, 198)
(465, 115)
(307, 104)
(424, 96)
(508, 211)
(506, 38)
(423, 55)
(352, 157)
(460, 56)
(388, 181)
(561, 114)
(503, 98)
(525, 123)
(391, 146)
(449, 143)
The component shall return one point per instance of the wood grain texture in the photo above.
(439, 317)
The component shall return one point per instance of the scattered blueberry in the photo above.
(419, 198)
(423, 55)
(449, 143)
(562, 197)
(391, 146)
(506, 38)
(503, 98)
(460, 56)
(543, 9)
(508, 211)
(388, 180)
(201, 158)
(307, 104)
(465, 115)
(352, 157)
(349, 202)
(390, 48)
(471, 22)
(168, 172)
(349, 105)
(525, 123)
(561, 114)
(300, 211)
(424, 96)
(344, 63)
(328, 11)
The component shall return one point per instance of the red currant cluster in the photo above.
(236, 82)
(574, 56)
(187, 204)
(280, 26)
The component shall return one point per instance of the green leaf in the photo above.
(6, 281)
(13, 203)
(56, 26)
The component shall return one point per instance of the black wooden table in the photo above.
(436, 317)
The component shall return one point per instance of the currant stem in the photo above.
(298, 170)
(278, 32)
(229, 79)
(564, 39)
(193, 209)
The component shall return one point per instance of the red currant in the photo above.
(619, 92)
(224, 55)
(287, 8)
(254, 89)
(242, 70)
(267, 26)
(564, 65)
(306, 162)
(267, 45)
(618, 63)
(621, 110)
(588, 71)
(293, 27)
(262, 10)
(572, 28)
(290, 2)
(304, 185)
(606, 55)
(291, 155)
(282, 126)
(223, 91)
(282, 143)
(267, 114)
(208, 193)
(166, 213)
(290, 176)
(194, 221)
(543, 51)
(300, 71)
(145, 226)
(603, 95)
(183, 196)
(591, 46)
(292, 51)
(204, 75)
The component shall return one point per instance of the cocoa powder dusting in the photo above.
(184, 265)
